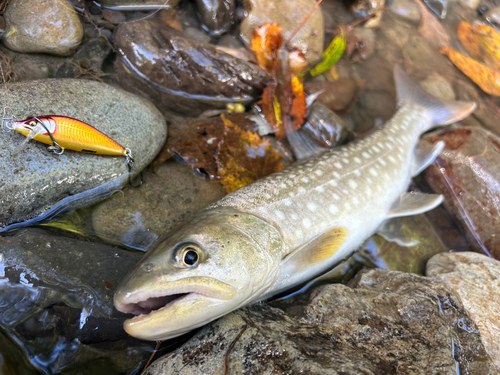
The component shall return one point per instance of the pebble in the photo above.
(438, 86)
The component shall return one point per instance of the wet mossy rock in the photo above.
(388, 322)
(181, 74)
(35, 179)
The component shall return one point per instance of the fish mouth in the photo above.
(158, 298)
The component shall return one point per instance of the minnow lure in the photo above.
(61, 132)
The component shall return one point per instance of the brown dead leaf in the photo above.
(430, 27)
(297, 62)
(299, 107)
(244, 157)
(196, 142)
(266, 41)
(489, 40)
(486, 78)
(467, 36)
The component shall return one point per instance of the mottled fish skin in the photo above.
(352, 187)
(287, 228)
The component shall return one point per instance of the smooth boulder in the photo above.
(35, 179)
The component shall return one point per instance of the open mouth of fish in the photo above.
(160, 298)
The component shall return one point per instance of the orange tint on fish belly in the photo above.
(76, 135)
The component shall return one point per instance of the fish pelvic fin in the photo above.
(317, 251)
(414, 203)
(424, 155)
(441, 112)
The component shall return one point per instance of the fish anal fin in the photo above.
(414, 203)
(425, 154)
(317, 251)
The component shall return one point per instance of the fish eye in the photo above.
(190, 256)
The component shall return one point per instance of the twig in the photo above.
(231, 346)
(158, 343)
(304, 21)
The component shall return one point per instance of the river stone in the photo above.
(131, 3)
(476, 279)
(43, 26)
(467, 173)
(169, 195)
(388, 322)
(56, 302)
(309, 39)
(36, 179)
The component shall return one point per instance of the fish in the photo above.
(63, 132)
(287, 228)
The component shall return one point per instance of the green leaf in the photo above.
(331, 55)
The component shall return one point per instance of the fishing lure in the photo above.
(61, 132)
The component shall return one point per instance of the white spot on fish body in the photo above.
(287, 202)
(366, 155)
(369, 180)
(312, 206)
(357, 160)
(320, 189)
(392, 159)
(333, 209)
(382, 161)
(336, 174)
(357, 172)
(345, 161)
(353, 184)
(306, 222)
(305, 180)
(373, 172)
(345, 191)
(334, 183)
(355, 200)
(267, 196)
(369, 191)
(335, 196)
(294, 216)
(375, 149)
(318, 172)
(337, 165)
(280, 215)
(301, 190)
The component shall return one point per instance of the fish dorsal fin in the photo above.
(316, 251)
(425, 154)
(414, 203)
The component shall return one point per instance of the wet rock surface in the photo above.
(467, 173)
(43, 26)
(309, 39)
(216, 16)
(180, 74)
(386, 322)
(36, 179)
(475, 278)
(171, 194)
(56, 300)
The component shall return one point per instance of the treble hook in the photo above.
(56, 147)
(7, 121)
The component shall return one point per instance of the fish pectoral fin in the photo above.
(414, 203)
(316, 251)
(424, 155)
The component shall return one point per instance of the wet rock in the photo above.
(139, 3)
(493, 17)
(438, 7)
(36, 179)
(364, 37)
(467, 173)
(170, 195)
(476, 279)
(438, 86)
(407, 10)
(405, 244)
(56, 301)
(337, 95)
(309, 39)
(473, 4)
(216, 16)
(325, 127)
(386, 323)
(49, 26)
(180, 74)
(364, 8)
(397, 34)
(89, 58)
(113, 16)
(432, 29)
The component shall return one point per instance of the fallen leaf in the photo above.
(299, 108)
(486, 78)
(196, 141)
(489, 40)
(331, 55)
(297, 61)
(467, 36)
(266, 41)
(244, 157)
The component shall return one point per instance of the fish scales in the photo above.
(287, 228)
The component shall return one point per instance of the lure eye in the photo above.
(31, 124)
(190, 256)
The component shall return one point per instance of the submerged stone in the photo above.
(467, 173)
(387, 322)
(325, 127)
(48, 26)
(36, 179)
(180, 74)
(216, 16)
(56, 302)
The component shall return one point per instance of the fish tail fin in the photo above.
(441, 112)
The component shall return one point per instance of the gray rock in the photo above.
(309, 39)
(36, 179)
(386, 323)
(407, 10)
(56, 299)
(45, 26)
(438, 86)
(476, 279)
(172, 194)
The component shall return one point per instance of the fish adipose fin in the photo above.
(413, 204)
(424, 155)
(316, 251)
(441, 113)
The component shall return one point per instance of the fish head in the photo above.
(215, 263)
